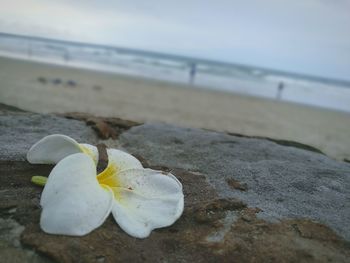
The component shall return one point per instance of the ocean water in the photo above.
(320, 92)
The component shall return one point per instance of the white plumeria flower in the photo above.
(76, 200)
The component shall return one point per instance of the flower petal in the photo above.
(73, 202)
(53, 148)
(123, 160)
(89, 150)
(118, 161)
(148, 200)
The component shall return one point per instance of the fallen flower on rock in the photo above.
(77, 200)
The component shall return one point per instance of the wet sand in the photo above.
(47, 88)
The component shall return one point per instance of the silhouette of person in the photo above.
(280, 90)
(66, 56)
(193, 69)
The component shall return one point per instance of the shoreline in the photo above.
(108, 71)
(134, 98)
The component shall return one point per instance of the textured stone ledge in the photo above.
(246, 199)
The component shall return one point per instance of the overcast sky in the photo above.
(304, 36)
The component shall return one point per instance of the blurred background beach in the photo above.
(272, 76)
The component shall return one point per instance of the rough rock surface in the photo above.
(246, 199)
(20, 130)
(285, 182)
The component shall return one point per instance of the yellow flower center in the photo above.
(108, 178)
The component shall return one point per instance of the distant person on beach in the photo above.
(280, 90)
(193, 69)
(66, 56)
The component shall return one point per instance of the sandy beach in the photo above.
(46, 88)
